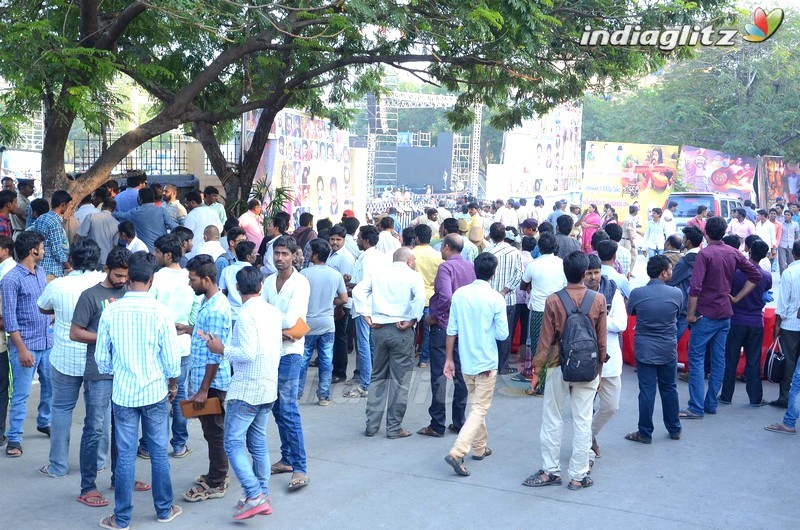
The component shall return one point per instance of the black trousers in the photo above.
(214, 432)
(4, 371)
(340, 344)
(749, 338)
(438, 408)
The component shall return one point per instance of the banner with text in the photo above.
(624, 174)
(701, 169)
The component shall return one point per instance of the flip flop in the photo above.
(280, 467)
(11, 447)
(110, 523)
(86, 499)
(689, 415)
(299, 482)
(780, 428)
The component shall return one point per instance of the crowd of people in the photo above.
(163, 310)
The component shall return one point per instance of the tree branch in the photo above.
(113, 32)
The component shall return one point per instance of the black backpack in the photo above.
(578, 340)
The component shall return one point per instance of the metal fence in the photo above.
(163, 155)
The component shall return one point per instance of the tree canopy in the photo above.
(743, 100)
(208, 61)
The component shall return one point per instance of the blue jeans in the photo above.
(23, 378)
(705, 331)
(790, 418)
(681, 326)
(66, 389)
(324, 346)
(425, 347)
(664, 376)
(96, 427)
(287, 413)
(155, 428)
(366, 345)
(180, 432)
(245, 423)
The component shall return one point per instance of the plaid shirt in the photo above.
(255, 353)
(624, 259)
(138, 345)
(5, 227)
(21, 288)
(214, 317)
(509, 270)
(56, 245)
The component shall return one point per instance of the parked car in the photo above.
(717, 203)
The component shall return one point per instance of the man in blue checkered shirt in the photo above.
(210, 375)
(56, 245)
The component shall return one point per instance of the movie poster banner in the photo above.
(311, 157)
(540, 157)
(781, 180)
(626, 174)
(701, 169)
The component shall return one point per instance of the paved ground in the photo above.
(726, 472)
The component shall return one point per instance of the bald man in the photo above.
(391, 303)
(211, 244)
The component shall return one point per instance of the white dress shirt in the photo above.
(766, 231)
(255, 353)
(351, 245)
(546, 276)
(616, 323)
(228, 283)
(343, 261)
(171, 288)
(197, 220)
(789, 297)
(137, 245)
(211, 248)
(61, 296)
(391, 295)
(370, 260)
(83, 211)
(655, 235)
(292, 302)
(387, 243)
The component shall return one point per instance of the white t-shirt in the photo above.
(546, 276)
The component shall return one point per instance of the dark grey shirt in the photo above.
(87, 313)
(566, 245)
(656, 307)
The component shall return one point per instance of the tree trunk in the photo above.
(227, 173)
(252, 157)
(56, 135)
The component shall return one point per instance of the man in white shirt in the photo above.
(669, 218)
(211, 245)
(171, 288)
(289, 291)
(765, 229)
(387, 242)
(102, 228)
(127, 234)
(655, 234)
(67, 358)
(478, 321)
(85, 209)
(391, 302)
(211, 199)
(607, 252)
(616, 323)
(342, 261)
(252, 223)
(254, 354)
(351, 226)
(543, 276)
(245, 256)
(199, 217)
(787, 325)
(277, 227)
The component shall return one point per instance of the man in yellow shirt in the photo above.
(475, 217)
(427, 264)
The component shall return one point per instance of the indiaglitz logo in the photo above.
(764, 25)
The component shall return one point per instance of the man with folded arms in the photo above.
(137, 343)
(391, 302)
(478, 319)
(255, 355)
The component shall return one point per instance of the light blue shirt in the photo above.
(789, 298)
(137, 344)
(214, 317)
(478, 318)
(127, 200)
(227, 283)
(150, 222)
(620, 279)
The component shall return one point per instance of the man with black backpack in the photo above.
(572, 348)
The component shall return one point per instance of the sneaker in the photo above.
(336, 379)
(252, 507)
(324, 402)
(186, 451)
(356, 392)
(142, 453)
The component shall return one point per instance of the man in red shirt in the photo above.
(699, 220)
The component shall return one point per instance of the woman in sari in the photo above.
(590, 223)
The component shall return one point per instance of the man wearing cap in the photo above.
(19, 217)
(529, 227)
(348, 213)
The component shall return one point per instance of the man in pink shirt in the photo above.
(740, 225)
(251, 222)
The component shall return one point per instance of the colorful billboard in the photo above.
(780, 179)
(624, 174)
(311, 157)
(703, 169)
(540, 157)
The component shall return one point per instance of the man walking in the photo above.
(255, 355)
(29, 340)
(327, 290)
(289, 292)
(454, 272)
(209, 375)
(656, 307)
(391, 302)
(655, 235)
(478, 321)
(709, 311)
(505, 280)
(136, 341)
(68, 358)
(556, 390)
(747, 331)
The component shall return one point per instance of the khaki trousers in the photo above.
(473, 434)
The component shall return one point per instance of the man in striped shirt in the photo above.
(506, 280)
(137, 343)
(255, 353)
(55, 260)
